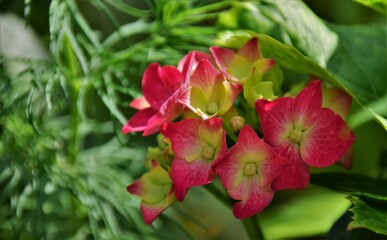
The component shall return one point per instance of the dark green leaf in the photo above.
(369, 215)
(360, 63)
(352, 184)
(306, 31)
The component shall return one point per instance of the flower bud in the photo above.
(237, 122)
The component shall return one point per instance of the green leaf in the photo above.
(352, 184)
(306, 31)
(368, 215)
(378, 5)
(303, 213)
(359, 63)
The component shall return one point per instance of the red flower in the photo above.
(161, 87)
(248, 171)
(198, 146)
(303, 132)
(156, 191)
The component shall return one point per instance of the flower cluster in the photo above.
(216, 96)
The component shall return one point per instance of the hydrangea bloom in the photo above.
(248, 171)
(303, 132)
(246, 67)
(161, 87)
(198, 146)
(209, 93)
(156, 191)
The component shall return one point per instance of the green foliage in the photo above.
(369, 215)
(353, 184)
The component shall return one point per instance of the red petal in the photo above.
(256, 202)
(168, 112)
(307, 105)
(184, 138)
(135, 188)
(206, 76)
(222, 56)
(297, 174)
(150, 212)
(276, 119)
(140, 103)
(160, 83)
(250, 50)
(187, 175)
(327, 141)
(138, 122)
(190, 61)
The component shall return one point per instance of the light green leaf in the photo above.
(378, 5)
(369, 215)
(303, 213)
(352, 184)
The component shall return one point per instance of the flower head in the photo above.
(248, 171)
(303, 132)
(209, 94)
(247, 67)
(156, 191)
(161, 87)
(198, 146)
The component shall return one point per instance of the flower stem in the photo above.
(251, 224)
(253, 228)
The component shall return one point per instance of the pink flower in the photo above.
(209, 94)
(303, 132)
(239, 66)
(161, 87)
(156, 191)
(248, 171)
(198, 146)
(247, 67)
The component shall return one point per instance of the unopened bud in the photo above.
(237, 123)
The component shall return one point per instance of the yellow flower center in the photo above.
(208, 152)
(295, 136)
(250, 169)
(212, 108)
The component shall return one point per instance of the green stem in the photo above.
(253, 228)
(251, 224)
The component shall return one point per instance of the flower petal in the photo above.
(307, 105)
(256, 202)
(184, 138)
(189, 62)
(297, 174)
(222, 56)
(205, 77)
(168, 112)
(160, 83)
(276, 119)
(250, 50)
(140, 103)
(138, 122)
(187, 175)
(337, 100)
(327, 141)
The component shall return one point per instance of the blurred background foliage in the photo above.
(70, 68)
